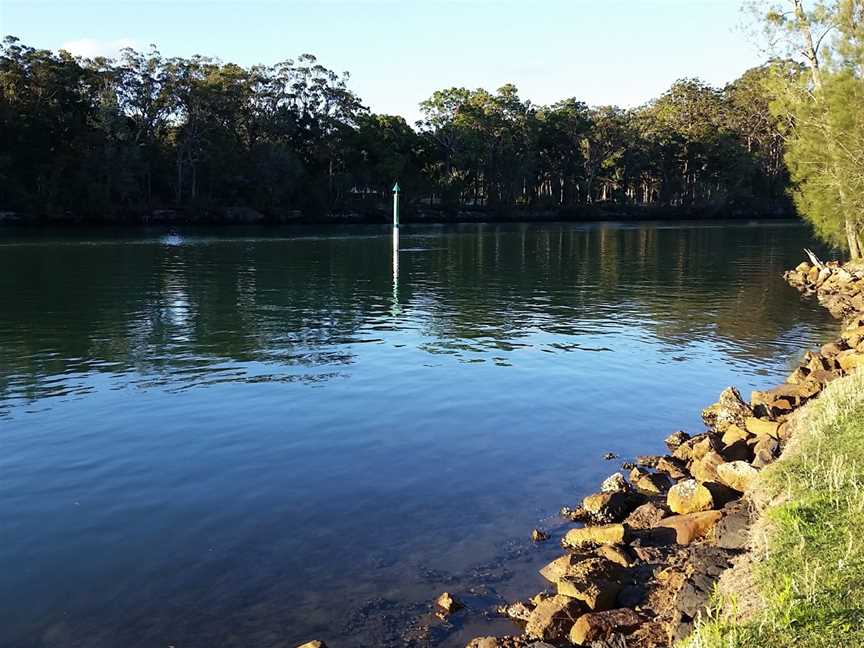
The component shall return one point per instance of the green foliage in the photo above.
(812, 577)
(819, 107)
(112, 139)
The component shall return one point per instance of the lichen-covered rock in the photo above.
(730, 409)
(689, 496)
(615, 484)
(738, 475)
(601, 625)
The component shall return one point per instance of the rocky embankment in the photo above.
(640, 569)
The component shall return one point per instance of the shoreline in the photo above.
(229, 216)
(658, 536)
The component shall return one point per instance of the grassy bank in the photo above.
(809, 554)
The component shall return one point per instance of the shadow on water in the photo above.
(258, 437)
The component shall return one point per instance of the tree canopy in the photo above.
(116, 139)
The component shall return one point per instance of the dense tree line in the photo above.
(117, 139)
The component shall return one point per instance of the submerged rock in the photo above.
(539, 536)
(447, 603)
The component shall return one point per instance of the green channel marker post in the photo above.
(396, 205)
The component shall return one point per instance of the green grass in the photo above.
(810, 540)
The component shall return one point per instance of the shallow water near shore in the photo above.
(258, 437)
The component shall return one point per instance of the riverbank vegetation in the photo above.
(819, 110)
(810, 580)
(114, 140)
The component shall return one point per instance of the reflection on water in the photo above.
(254, 438)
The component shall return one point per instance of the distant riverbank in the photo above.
(228, 215)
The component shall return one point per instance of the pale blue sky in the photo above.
(621, 52)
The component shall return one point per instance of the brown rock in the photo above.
(618, 554)
(553, 618)
(734, 433)
(738, 475)
(600, 625)
(762, 427)
(595, 582)
(738, 451)
(705, 469)
(447, 603)
(560, 567)
(519, 611)
(648, 460)
(676, 439)
(589, 535)
(675, 468)
(765, 451)
(636, 473)
(653, 484)
(689, 496)
(729, 409)
(645, 516)
(831, 349)
(539, 536)
(691, 526)
(313, 644)
(850, 360)
(610, 507)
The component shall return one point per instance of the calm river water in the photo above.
(257, 438)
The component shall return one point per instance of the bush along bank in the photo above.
(641, 568)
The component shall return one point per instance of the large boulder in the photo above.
(601, 625)
(689, 496)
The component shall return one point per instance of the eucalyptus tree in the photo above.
(819, 107)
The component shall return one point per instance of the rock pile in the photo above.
(639, 571)
(839, 288)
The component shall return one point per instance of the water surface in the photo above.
(255, 438)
